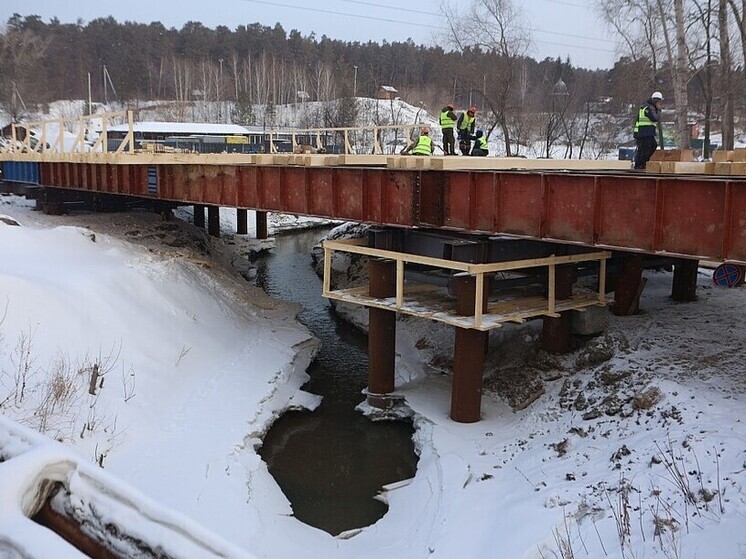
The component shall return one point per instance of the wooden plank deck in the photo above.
(434, 303)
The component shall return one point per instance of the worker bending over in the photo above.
(423, 146)
(481, 148)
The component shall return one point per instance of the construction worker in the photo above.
(423, 146)
(465, 126)
(646, 129)
(481, 148)
(447, 120)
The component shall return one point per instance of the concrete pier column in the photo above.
(242, 221)
(199, 216)
(381, 333)
(261, 225)
(213, 221)
(629, 286)
(685, 280)
(556, 334)
(468, 357)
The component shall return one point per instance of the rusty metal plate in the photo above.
(520, 204)
(294, 195)
(569, 207)
(397, 198)
(735, 247)
(625, 216)
(692, 217)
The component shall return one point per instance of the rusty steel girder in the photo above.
(692, 216)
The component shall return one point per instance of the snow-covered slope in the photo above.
(637, 448)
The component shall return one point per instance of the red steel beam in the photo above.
(702, 217)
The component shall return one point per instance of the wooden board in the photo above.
(374, 160)
(673, 155)
(503, 163)
(689, 168)
(721, 156)
(432, 302)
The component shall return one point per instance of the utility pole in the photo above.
(220, 84)
(106, 91)
(354, 83)
(90, 102)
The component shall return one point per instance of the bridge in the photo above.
(568, 217)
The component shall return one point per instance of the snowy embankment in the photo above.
(636, 448)
(192, 365)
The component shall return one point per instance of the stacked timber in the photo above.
(674, 161)
(465, 163)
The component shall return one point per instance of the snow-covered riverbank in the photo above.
(645, 430)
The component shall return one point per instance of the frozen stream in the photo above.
(332, 462)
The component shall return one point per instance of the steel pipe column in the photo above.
(556, 335)
(685, 280)
(629, 285)
(199, 216)
(242, 222)
(381, 333)
(468, 356)
(213, 221)
(261, 225)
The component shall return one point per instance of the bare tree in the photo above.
(20, 50)
(726, 77)
(496, 27)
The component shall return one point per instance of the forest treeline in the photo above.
(42, 61)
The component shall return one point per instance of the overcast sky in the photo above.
(560, 27)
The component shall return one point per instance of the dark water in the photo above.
(330, 463)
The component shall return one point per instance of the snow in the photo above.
(201, 364)
(517, 484)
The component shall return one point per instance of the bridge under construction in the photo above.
(472, 242)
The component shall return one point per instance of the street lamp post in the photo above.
(354, 83)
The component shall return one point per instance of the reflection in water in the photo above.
(332, 462)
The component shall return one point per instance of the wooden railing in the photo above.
(356, 140)
(408, 298)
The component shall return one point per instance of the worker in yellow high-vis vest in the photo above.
(423, 146)
(465, 125)
(447, 120)
(646, 129)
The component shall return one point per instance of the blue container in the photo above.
(21, 171)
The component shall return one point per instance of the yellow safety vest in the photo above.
(642, 119)
(467, 120)
(483, 144)
(424, 146)
(445, 120)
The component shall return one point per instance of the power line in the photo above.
(537, 30)
(424, 25)
(333, 12)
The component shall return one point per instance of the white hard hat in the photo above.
(657, 95)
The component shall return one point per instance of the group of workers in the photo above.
(645, 132)
(465, 124)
